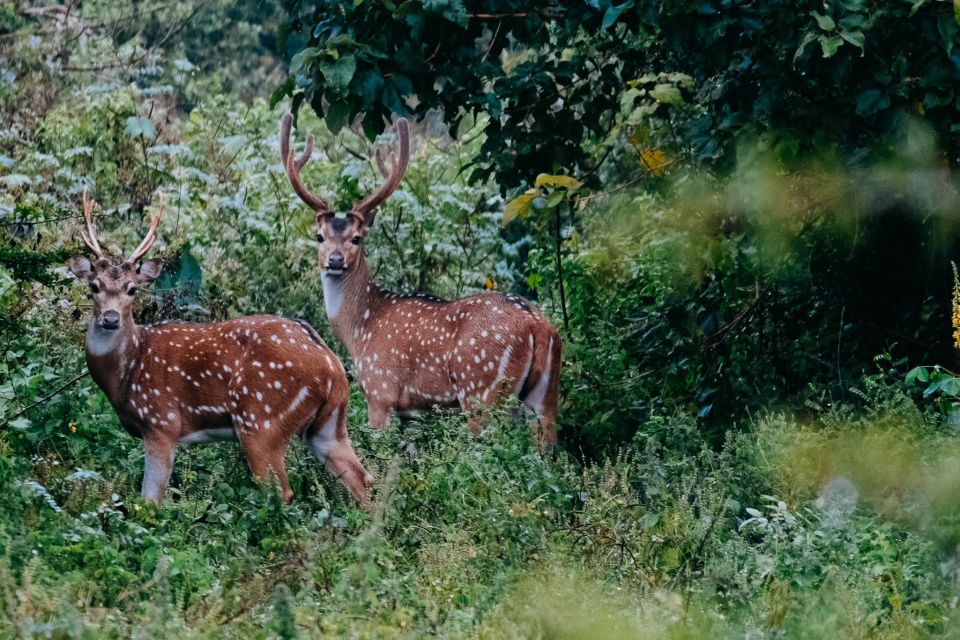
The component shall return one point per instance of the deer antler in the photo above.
(90, 237)
(151, 235)
(383, 167)
(367, 207)
(293, 165)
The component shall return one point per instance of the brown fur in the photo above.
(414, 352)
(263, 378)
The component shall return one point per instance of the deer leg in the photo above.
(343, 464)
(475, 424)
(544, 396)
(328, 441)
(544, 429)
(476, 413)
(544, 420)
(265, 458)
(159, 454)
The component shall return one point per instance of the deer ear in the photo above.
(150, 270)
(80, 266)
(324, 216)
(362, 225)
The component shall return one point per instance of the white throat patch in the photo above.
(100, 342)
(332, 294)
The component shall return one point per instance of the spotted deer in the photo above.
(414, 351)
(257, 379)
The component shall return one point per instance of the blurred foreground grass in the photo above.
(839, 527)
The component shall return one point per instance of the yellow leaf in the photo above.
(653, 159)
(558, 182)
(519, 206)
(489, 284)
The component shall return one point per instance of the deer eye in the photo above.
(94, 287)
(319, 238)
(356, 239)
(132, 291)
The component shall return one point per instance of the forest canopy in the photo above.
(690, 79)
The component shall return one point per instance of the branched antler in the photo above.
(90, 236)
(367, 208)
(151, 234)
(292, 164)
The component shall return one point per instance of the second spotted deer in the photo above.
(412, 352)
(259, 379)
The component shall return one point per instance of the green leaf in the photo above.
(338, 73)
(519, 206)
(452, 10)
(824, 22)
(871, 101)
(467, 122)
(667, 94)
(807, 39)
(856, 38)
(830, 45)
(555, 198)
(368, 84)
(190, 276)
(917, 6)
(932, 389)
(336, 116)
(281, 92)
(917, 374)
(950, 387)
(179, 282)
(956, 10)
(300, 63)
(558, 182)
(612, 13)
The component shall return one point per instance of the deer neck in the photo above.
(349, 299)
(111, 356)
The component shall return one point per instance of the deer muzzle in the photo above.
(336, 263)
(110, 320)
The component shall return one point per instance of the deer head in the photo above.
(340, 239)
(114, 283)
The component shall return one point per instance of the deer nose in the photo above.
(110, 320)
(336, 260)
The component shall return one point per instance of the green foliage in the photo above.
(727, 468)
(695, 76)
(465, 526)
(29, 265)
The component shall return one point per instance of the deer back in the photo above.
(265, 372)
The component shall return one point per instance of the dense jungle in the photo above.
(741, 217)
